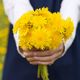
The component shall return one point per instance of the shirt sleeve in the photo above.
(70, 8)
(20, 7)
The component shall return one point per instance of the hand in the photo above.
(44, 57)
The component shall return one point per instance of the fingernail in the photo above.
(25, 54)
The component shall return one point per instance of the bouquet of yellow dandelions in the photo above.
(41, 29)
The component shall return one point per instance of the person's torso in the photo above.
(53, 5)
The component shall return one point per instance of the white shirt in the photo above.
(15, 8)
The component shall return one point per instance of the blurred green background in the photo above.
(3, 36)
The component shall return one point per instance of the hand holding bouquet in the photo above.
(41, 30)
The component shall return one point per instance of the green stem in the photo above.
(39, 71)
(43, 72)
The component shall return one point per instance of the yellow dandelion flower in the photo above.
(57, 38)
(38, 21)
(68, 27)
(40, 38)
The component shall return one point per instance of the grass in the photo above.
(3, 36)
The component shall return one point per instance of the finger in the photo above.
(46, 58)
(27, 54)
(40, 53)
(42, 63)
(37, 53)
